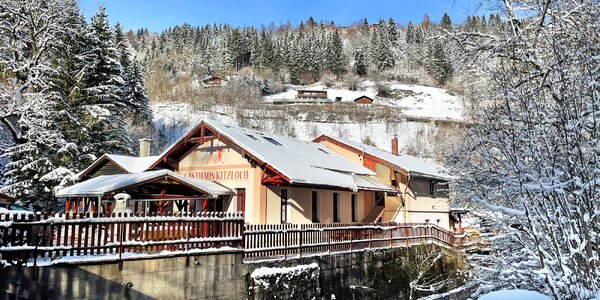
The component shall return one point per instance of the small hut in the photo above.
(364, 100)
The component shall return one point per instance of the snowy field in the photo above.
(414, 100)
(411, 135)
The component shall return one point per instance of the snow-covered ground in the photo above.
(414, 100)
(514, 295)
(413, 137)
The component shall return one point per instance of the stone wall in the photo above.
(376, 274)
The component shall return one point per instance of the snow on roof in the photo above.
(130, 164)
(371, 183)
(414, 165)
(101, 185)
(301, 161)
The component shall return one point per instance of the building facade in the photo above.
(422, 186)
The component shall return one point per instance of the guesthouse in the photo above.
(422, 186)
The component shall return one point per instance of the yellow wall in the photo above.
(419, 205)
(215, 161)
(300, 205)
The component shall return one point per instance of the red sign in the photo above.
(219, 175)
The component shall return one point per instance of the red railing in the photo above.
(62, 236)
(67, 237)
(298, 240)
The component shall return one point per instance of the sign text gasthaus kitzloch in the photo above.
(219, 175)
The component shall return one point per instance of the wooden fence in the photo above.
(64, 237)
(296, 240)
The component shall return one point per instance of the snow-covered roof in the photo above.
(101, 185)
(129, 164)
(371, 183)
(414, 165)
(302, 162)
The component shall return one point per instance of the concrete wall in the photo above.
(220, 276)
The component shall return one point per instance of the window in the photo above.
(252, 137)
(336, 207)
(380, 198)
(432, 188)
(284, 203)
(354, 208)
(315, 207)
(240, 200)
(272, 141)
(324, 151)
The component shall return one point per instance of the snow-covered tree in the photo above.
(532, 155)
(30, 108)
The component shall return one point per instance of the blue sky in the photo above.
(157, 15)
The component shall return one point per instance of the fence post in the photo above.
(351, 238)
(391, 232)
(120, 228)
(300, 233)
(242, 232)
(187, 243)
(370, 236)
(285, 239)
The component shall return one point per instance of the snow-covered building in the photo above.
(422, 185)
(276, 179)
(271, 178)
(213, 81)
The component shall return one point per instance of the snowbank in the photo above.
(514, 295)
(271, 272)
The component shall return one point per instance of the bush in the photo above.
(383, 89)
(328, 79)
(353, 82)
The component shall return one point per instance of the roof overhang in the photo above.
(164, 181)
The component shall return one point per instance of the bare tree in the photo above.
(532, 156)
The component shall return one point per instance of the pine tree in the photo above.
(360, 63)
(438, 64)
(383, 54)
(104, 108)
(446, 22)
(336, 60)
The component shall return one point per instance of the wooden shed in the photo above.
(213, 81)
(6, 198)
(364, 100)
(312, 94)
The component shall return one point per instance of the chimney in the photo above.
(395, 145)
(145, 147)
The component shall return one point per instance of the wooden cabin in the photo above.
(364, 100)
(6, 198)
(213, 81)
(312, 94)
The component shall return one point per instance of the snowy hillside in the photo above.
(413, 137)
(414, 100)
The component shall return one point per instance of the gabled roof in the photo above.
(415, 166)
(301, 162)
(129, 164)
(105, 184)
(6, 197)
(364, 96)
